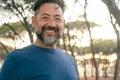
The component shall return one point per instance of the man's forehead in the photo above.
(57, 7)
(50, 8)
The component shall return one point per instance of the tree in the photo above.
(114, 10)
(105, 46)
(10, 31)
(21, 9)
(91, 43)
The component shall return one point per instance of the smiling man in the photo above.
(48, 23)
(42, 60)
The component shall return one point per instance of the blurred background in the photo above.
(91, 36)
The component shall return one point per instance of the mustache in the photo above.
(51, 28)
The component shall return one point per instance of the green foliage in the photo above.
(22, 10)
(3, 53)
(106, 46)
(17, 26)
(8, 4)
(3, 29)
(81, 25)
(84, 49)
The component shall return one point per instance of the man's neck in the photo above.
(39, 43)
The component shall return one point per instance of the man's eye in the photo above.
(44, 18)
(58, 19)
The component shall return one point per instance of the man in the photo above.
(42, 60)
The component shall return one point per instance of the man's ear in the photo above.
(33, 21)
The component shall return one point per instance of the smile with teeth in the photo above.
(49, 33)
(55, 29)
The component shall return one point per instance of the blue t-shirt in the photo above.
(37, 63)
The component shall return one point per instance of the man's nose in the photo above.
(51, 22)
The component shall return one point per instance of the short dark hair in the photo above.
(39, 3)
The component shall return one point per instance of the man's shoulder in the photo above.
(66, 53)
(18, 52)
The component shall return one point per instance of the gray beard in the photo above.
(50, 41)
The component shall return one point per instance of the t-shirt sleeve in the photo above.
(75, 64)
(9, 69)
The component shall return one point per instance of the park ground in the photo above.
(101, 78)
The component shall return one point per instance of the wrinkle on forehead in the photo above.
(57, 7)
(50, 8)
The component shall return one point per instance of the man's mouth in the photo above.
(50, 29)
(49, 35)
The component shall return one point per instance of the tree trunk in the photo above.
(117, 66)
(85, 69)
(114, 10)
(14, 32)
(4, 47)
(27, 27)
(91, 42)
(64, 47)
(70, 47)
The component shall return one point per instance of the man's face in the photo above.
(49, 23)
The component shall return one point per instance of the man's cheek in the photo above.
(60, 32)
(38, 29)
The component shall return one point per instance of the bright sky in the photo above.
(5, 17)
(97, 12)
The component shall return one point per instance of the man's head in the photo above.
(39, 3)
(48, 21)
